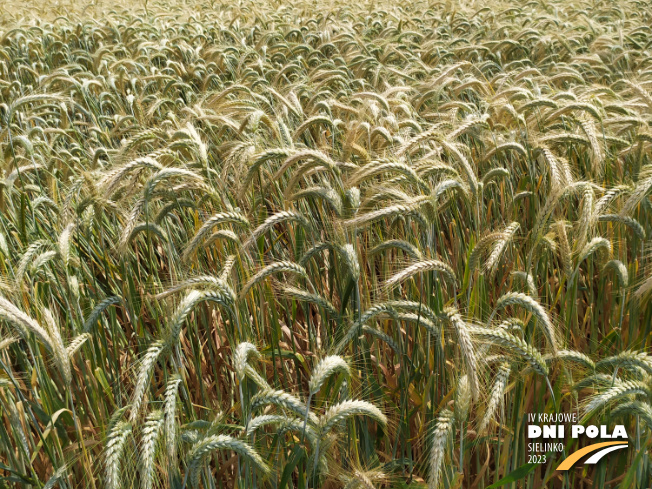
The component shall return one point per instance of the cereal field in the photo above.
(295, 245)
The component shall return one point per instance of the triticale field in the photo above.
(293, 245)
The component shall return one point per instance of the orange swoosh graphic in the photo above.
(575, 456)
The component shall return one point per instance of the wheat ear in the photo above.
(440, 434)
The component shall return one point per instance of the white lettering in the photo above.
(533, 431)
(603, 432)
(619, 431)
(550, 431)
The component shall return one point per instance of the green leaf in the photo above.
(297, 454)
(631, 474)
(514, 476)
(21, 478)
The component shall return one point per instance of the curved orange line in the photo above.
(569, 461)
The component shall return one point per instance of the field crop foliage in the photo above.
(322, 244)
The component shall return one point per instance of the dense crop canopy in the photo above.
(322, 244)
